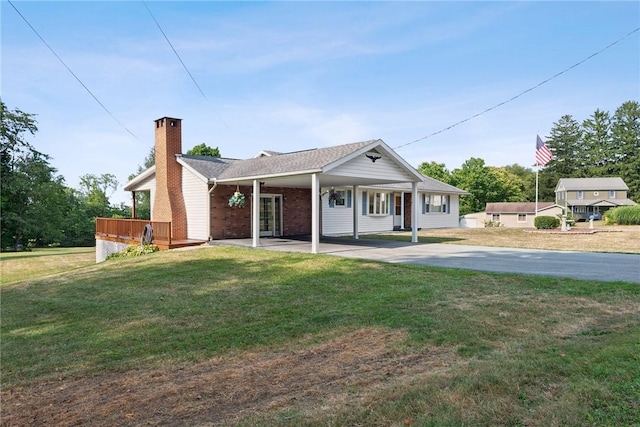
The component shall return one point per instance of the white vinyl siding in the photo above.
(362, 167)
(195, 195)
(439, 219)
(340, 221)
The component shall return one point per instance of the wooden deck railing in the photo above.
(131, 229)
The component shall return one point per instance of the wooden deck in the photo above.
(129, 231)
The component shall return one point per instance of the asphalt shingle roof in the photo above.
(427, 184)
(609, 183)
(284, 163)
(516, 207)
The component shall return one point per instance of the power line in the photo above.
(72, 73)
(178, 56)
(521, 93)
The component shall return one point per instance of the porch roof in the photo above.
(600, 202)
(427, 184)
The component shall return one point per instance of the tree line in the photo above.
(602, 145)
(39, 209)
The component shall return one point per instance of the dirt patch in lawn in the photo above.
(225, 390)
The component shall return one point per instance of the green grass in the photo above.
(536, 351)
(39, 262)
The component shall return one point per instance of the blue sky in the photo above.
(286, 76)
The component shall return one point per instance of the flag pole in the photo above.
(536, 211)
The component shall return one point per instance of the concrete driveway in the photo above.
(576, 265)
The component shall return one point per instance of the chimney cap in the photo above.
(171, 120)
(167, 118)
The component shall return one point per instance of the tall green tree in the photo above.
(565, 142)
(626, 136)
(32, 193)
(597, 144)
(528, 181)
(204, 150)
(436, 171)
(96, 189)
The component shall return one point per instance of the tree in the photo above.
(143, 198)
(31, 192)
(436, 171)
(565, 142)
(204, 150)
(528, 178)
(96, 189)
(597, 144)
(626, 136)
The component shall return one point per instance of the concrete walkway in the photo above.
(576, 265)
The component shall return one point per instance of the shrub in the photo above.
(623, 215)
(133, 250)
(546, 222)
(490, 223)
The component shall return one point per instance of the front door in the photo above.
(270, 215)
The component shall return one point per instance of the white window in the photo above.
(436, 203)
(561, 195)
(612, 194)
(495, 217)
(522, 217)
(580, 194)
(378, 203)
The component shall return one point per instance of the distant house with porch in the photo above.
(510, 214)
(346, 189)
(584, 197)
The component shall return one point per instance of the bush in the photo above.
(133, 250)
(546, 222)
(623, 215)
(489, 224)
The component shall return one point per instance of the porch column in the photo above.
(255, 214)
(354, 204)
(133, 205)
(315, 214)
(414, 212)
(402, 210)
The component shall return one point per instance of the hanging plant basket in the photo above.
(237, 200)
(334, 198)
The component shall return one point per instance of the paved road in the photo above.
(576, 265)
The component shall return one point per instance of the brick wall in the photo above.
(235, 223)
(169, 202)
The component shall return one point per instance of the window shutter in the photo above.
(391, 202)
(364, 203)
(424, 204)
(348, 198)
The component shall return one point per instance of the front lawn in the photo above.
(225, 336)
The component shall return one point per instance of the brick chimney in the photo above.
(169, 201)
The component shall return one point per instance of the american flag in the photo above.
(543, 154)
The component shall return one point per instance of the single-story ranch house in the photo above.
(346, 189)
(510, 214)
